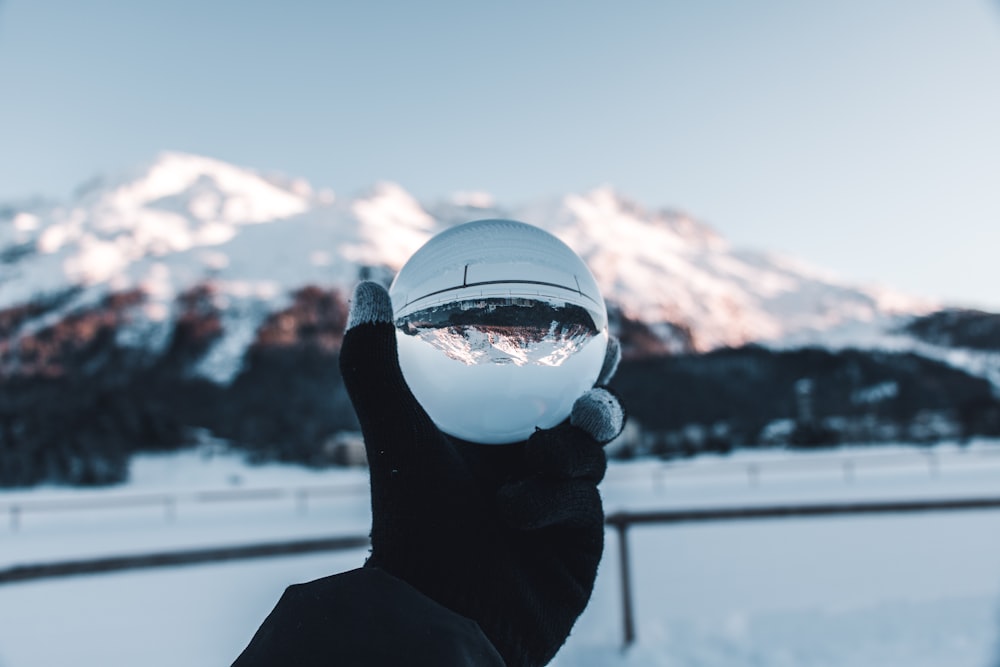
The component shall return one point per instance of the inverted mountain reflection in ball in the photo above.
(501, 327)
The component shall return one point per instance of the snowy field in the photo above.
(917, 590)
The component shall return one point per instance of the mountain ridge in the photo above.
(182, 220)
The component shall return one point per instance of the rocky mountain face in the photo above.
(192, 294)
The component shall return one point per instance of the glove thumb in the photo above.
(369, 363)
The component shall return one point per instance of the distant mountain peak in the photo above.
(206, 187)
(392, 224)
(605, 206)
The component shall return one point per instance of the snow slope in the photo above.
(183, 220)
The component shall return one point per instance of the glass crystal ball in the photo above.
(500, 328)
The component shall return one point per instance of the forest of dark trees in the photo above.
(728, 398)
(958, 327)
(75, 404)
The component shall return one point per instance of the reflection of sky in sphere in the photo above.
(500, 327)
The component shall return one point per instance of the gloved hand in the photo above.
(509, 536)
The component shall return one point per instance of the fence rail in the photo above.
(622, 521)
(22, 573)
(17, 509)
(850, 465)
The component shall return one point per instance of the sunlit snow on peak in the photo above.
(218, 190)
(392, 226)
(25, 222)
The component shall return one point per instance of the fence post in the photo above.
(932, 464)
(848, 471)
(626, 584)
(302, 501)
(15, 518)
(753, 474)
(169, 509)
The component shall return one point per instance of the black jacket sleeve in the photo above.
(365, 618)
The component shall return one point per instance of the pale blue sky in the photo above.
(862, 136)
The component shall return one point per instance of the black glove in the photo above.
(508, 536)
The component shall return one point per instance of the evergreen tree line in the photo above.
(91, 402)
(734, 395)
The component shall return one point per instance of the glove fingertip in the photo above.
(600, 414)
(370, 303)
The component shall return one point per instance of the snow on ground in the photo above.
(918, 590)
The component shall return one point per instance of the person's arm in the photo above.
(506, 536)
(509, 536)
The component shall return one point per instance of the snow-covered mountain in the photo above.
(185, 220)
(191, 297)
